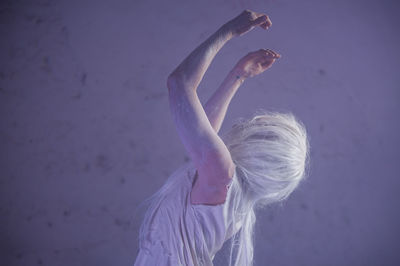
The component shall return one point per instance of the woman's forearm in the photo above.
(191, 71)
(218, 103)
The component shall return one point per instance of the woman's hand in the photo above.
(255, 63)
(246, 21)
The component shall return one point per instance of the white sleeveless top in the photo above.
(181, 233)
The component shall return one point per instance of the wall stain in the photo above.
(104, 208)
(86, 168)
(304, 206)
(65, 32)
(66, 213)
(332, 155)
(141, 161)
(380, 142)
(124, 224)
(346, 219)
(46, 65)
(77, 96)
(132, 144)
(83, 78)
(103, 162)
(15, 52)
(39, 21)
(321, 128)
(155, 96)
(29, 17)
(49, 166)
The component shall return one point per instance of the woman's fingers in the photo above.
(260, 20)
(268, 57)
(267, 23)
(247, 20)
(264, 26)
(273, 53)
(269, 53)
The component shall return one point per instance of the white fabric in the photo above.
(185, 234)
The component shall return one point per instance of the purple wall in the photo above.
(86, 132)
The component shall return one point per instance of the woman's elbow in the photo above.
(171, 81)
(175, 80)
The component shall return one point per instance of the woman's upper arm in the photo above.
(206, 149)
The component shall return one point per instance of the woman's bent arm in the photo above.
(218, 103)
(192, 69)
(206, 149)
(204, 146)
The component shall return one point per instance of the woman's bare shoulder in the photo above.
(206, 193)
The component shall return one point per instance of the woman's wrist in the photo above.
(226, 31)
(238, 75)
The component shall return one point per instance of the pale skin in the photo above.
(198, 127)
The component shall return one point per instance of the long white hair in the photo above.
(271, 154)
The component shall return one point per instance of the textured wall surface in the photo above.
(86, 133)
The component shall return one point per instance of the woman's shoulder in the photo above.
(210, 195)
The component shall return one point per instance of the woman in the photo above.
(212, 198)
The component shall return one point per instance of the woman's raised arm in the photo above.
(218, 103)
(206, 149)
(250, 65)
